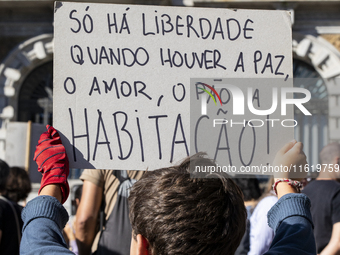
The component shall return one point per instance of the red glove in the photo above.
(52, 161)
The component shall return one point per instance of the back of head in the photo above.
(329, 153)
(4, 172)
(178, 214)
(18, 184)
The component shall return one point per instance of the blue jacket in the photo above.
(44, 218)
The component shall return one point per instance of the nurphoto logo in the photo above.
(239, 99)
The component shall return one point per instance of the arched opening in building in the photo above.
(35, 102)
(36, 95)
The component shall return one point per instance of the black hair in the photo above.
(250, 188)
(4, 172)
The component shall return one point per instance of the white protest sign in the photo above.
(122, 75)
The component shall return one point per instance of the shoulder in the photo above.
(92, 172)
(324, 185)
(135, 174)
(6, 204)
(95, 176)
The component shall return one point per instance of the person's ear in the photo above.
(142, 245)
(336, 160)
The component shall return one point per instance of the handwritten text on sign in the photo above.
(122, 75)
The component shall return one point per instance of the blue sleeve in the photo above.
(292, 222)
(44, 218)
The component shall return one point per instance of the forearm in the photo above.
(294, 236)
(84, 246)
(290, 217)
(85, 234)
(291, 220)
(44, 218)
(52, 190)
(283, 188)
(87, 215)
(333, 248)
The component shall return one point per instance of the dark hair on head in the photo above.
(4, 171)
(178, 214)
(18, 184)
(250, 188)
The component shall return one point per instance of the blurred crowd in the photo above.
(102, 226)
